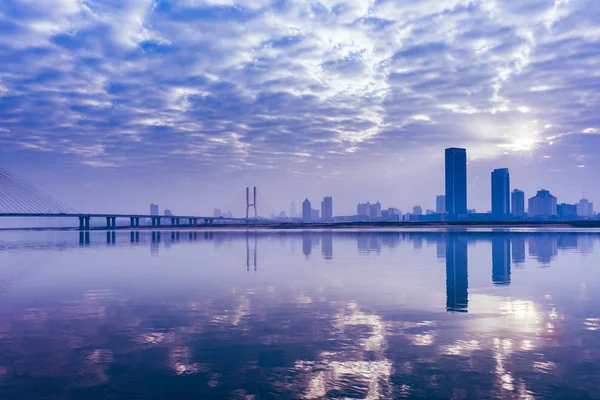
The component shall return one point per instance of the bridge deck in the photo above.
(92, 215)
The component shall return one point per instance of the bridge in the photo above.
(21, 199)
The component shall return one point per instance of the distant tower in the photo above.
(327, 208)
(500, 191)
(456, 181)
(306, 210)
(251, 204)
(518, 203)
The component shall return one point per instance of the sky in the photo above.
(109, 105)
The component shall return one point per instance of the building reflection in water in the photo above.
(457, 282)
(306, 243)
(501, 260)
(327, 245)
(543, 247)
(518, 250)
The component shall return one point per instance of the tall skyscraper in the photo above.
(456, 181)
(440, 204)
(306, 210)
(518, 203)
(153, 209)
(327, 208)
(543, 204)
(457, 281)
(500, 191)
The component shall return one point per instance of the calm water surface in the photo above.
(299, 315)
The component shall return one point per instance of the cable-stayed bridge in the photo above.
(21, 199)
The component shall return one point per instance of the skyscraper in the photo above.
(518, 203)
(543, 204)
(417, 210)
(306, 210)
(500, 191)
(456, 181)
(327, 208)
(153, 209)
(440, 204)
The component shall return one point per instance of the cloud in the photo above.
(258, 84)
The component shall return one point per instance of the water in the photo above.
(290, 315)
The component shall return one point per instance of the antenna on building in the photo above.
(251, 204)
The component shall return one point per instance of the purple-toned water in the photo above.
(299, 315)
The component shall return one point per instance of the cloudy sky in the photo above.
(111, 104)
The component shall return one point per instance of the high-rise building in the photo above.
(168, 213)
(440, 204)
(293, 209)
(585, 208)
(375, 210)
(518, 203)
(566, 211)
(154, 209)
(306, 210)
(314, 214)
(217, 213)
(500, 191)
(417, 210)
(327, 208)
(363, 209)
(456, 181)
(543, 204)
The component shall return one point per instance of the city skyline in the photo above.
(112, 105)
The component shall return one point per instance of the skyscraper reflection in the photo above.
(327, 245)
(518, 249)
(544, 247)
(306, 243)
(457, 282)
(501, 260)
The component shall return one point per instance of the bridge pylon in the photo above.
(251, 204)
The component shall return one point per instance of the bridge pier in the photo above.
(155, 221)
(84, 223)
(111, 222)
